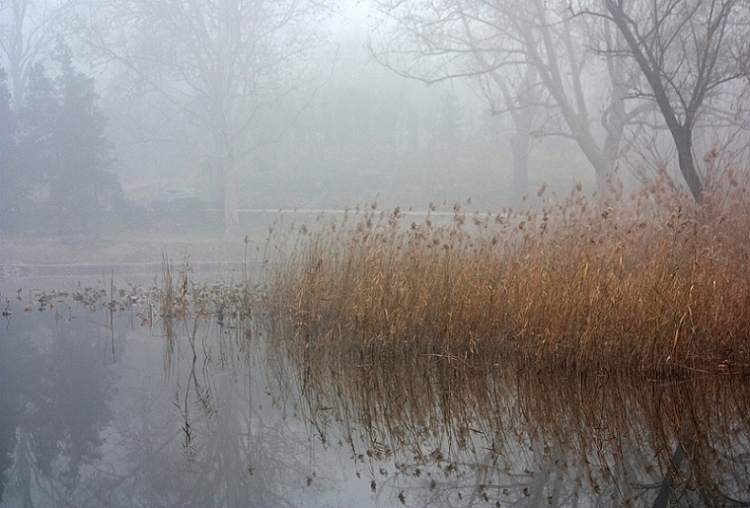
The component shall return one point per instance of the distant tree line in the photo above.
(55, 157)
(246, 101)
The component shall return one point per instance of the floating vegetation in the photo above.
(175, 299)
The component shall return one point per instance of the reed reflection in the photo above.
(254, 409)
(243, 443)
(431, 428)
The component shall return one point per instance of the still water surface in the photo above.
(120, 407)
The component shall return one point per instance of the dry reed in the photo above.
(652, 283)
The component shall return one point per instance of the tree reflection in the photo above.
(55, 384)
(436, 429)
(246, 412)
(215, 445)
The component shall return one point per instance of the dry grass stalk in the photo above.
(652, 284)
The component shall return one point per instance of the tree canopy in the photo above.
(58, 157)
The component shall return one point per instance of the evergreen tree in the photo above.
(63, 152)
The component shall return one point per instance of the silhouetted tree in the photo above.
(528, 57)
(63, 152)
(685, 52)
(30, 28)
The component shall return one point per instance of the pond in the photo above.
(110, 400)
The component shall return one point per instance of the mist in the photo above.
(223, 177)
(328, 125)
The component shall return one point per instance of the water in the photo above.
(120, 407)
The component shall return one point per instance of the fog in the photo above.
(238, 106)
(345, 131)
(139, 134)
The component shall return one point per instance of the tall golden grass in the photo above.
(650, 283)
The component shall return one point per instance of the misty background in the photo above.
(159, 114)
(136, 132)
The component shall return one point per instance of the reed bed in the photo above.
(652, 283)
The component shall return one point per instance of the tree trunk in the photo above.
(227, 180)
(24, 467)
(684, 143)
(606, 174)
(519, 143)
(682, 133)
(523, 120)
(667, 485)
(231, 217)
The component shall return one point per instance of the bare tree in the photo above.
(219, 62)
(27, 30)
(685, 52)
(508, 86)
(455, 39)
(534, 54)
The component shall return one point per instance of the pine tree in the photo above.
(63, 152)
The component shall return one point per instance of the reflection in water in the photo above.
(207, 405)
(188, 422)
(454, 434)
(55, 384)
